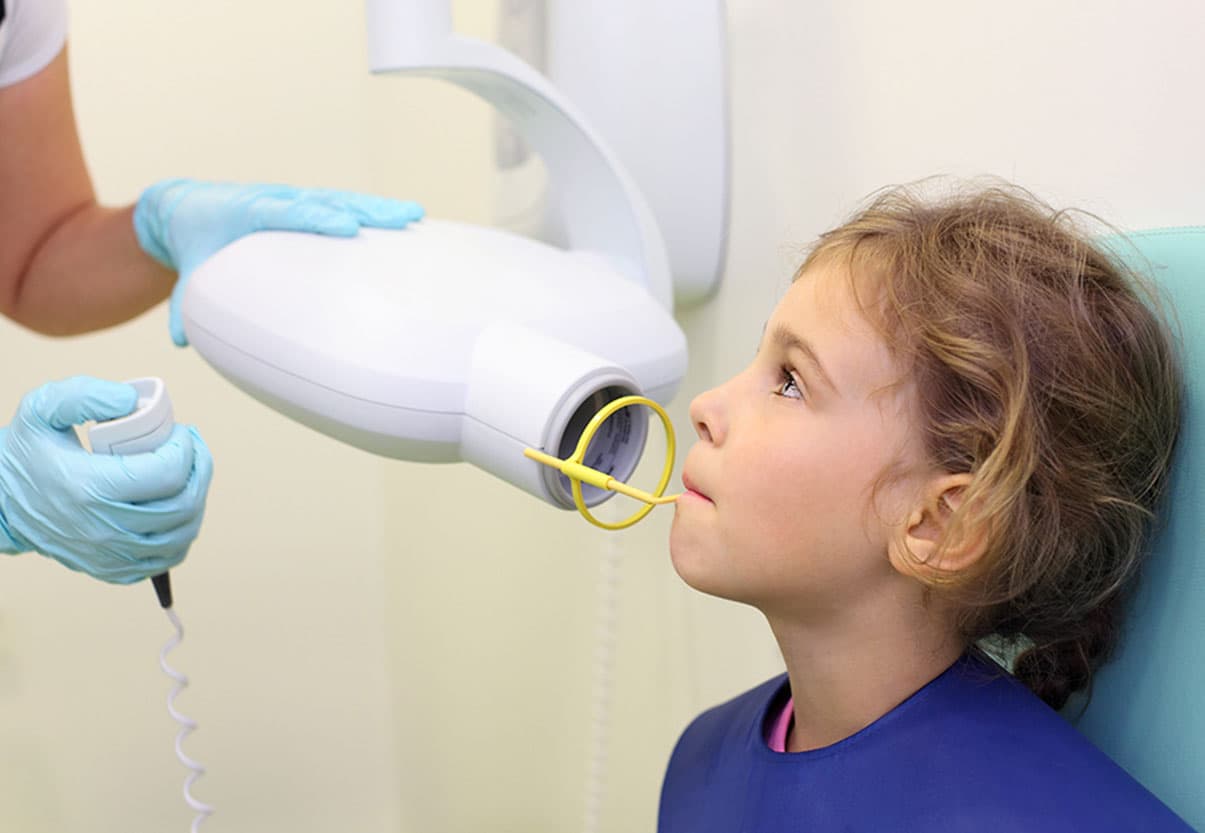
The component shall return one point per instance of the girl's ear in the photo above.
(924, 546)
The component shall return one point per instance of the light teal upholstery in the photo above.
(1148, 704)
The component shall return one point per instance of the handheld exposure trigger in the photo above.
(147, 428)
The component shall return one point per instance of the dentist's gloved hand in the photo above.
(119, 518)
(181, 222)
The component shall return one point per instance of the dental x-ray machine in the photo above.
(446, 341)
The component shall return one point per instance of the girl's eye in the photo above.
(788, 385)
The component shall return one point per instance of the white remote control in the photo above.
(147, 428)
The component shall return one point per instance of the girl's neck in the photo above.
(846, 675)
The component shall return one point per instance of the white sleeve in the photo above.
(34, 32)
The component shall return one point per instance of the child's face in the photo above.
(780, 511)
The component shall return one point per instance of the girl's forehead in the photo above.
(826, 293)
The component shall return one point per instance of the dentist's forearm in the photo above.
(88, 273)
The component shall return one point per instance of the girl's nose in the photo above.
(707, 416)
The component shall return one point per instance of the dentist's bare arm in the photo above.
(67, 264)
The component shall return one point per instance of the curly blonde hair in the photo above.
(1044, 369)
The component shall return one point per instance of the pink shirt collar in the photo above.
(777, 738)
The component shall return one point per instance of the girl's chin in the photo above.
(688, 552)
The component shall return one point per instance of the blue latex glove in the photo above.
(119, 518)
(181, 222)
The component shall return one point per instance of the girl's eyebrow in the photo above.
(789, 340)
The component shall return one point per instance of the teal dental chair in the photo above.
(1147, 709)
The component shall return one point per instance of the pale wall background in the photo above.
(379, 646)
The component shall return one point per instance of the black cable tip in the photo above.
(163, 589)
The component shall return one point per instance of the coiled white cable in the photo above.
(187, 725)
(605, 638)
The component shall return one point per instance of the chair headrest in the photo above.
(1147, 709)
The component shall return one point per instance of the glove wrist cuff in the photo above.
(10, 544)
(152, 215)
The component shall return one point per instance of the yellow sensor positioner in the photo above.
(578, 472)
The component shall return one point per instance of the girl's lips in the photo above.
(691, 491)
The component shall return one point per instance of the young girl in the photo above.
(956, 429)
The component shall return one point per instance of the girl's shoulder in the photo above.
(1026, 763)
